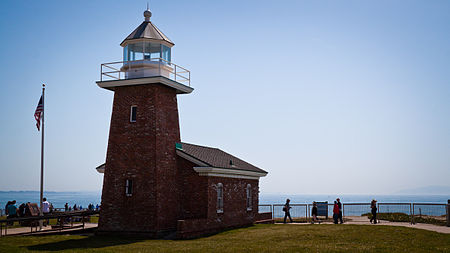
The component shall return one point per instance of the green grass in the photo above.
(259, 238)
(402, 217)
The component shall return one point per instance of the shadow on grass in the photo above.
(89, 242)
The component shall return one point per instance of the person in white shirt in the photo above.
(45, 206)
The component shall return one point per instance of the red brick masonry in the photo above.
(168, 194)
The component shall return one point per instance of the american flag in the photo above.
(38, 113)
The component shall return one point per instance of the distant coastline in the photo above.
(58, 199)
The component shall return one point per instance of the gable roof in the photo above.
(215, 157)
(147, 30)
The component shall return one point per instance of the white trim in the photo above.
(181, 88)
(231, 173)
(157, 41)
(190, 158)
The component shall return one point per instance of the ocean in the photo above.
(58, 199)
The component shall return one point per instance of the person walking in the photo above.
(286, 210)
(335, 212)
(340, 210)
(373, 206)
(314, 213)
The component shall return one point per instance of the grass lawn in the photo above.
(259, 238)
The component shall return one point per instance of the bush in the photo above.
(403, 217)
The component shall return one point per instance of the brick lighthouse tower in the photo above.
(139, 193)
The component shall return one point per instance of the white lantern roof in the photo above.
(147, 31)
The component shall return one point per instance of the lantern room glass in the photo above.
(146, 51)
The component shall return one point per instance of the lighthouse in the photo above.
(140, 171)
(154, 184)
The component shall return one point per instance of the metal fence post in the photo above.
(343, 210)
(271, 210)
(448, 213)
(411, 213)
(306, 213)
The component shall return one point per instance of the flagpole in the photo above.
(42, 157)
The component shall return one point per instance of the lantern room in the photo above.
(146, 55)
(147, 51)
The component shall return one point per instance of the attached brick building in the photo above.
(153, 183)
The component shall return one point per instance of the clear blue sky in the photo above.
(328, 96)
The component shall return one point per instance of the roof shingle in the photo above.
(217, 158)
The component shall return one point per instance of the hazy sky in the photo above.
(327, 96)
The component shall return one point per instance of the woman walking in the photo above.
(373, 206)
(335, 212)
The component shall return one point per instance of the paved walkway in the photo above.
(358, 220)
(47, 229)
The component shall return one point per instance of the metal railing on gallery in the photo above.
(122, 70)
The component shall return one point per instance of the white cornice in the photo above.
(181, 89)
(232, 173)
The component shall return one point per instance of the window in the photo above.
(133, 113)
(146, 51)
(166, 53)
(249, 197)
(219, 198)
(134, 51)
(125, 53)
(129, 187)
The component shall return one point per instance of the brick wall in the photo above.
(143, 151)
(193, 191)
(235, 213)
(234, 200)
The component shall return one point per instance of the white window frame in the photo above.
(248, 191)
(219, 198)
(128, 188)
(131, 113)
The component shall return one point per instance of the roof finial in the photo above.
(147, 13)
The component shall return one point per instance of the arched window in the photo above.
(219, 198)
(249, 197)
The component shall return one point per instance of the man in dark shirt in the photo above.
(314, 213)
(286, 210)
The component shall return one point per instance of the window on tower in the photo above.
(133, 113)
(146, 51)
(129, 187)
